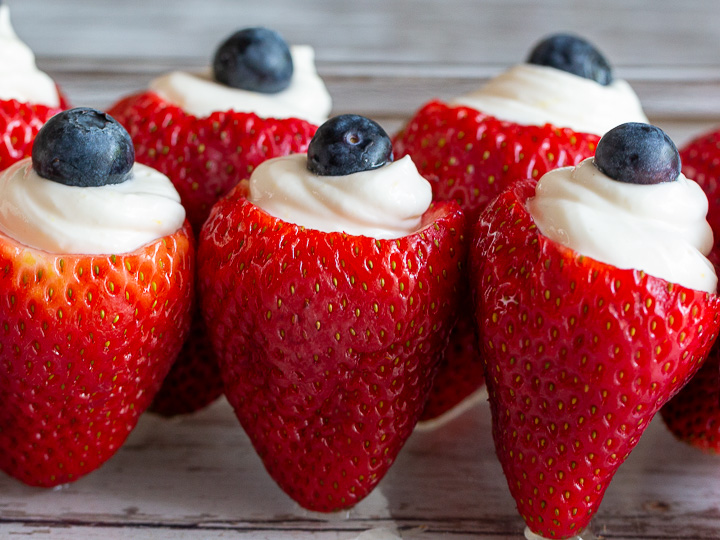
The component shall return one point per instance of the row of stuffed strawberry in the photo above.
(327, 342)
(327, 345)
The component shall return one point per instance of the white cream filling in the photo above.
(387, 202)
(533, 95)
(20, 79)
(116, 218)
(660, 229)
(199, 94)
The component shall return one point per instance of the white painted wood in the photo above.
(684, 111)
(384, 59)
(631, 32)
(197, 477)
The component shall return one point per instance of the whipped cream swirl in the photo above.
(387, 202)
(533, 95)
(116, 218)
(20, 79)
(660, 229)
(199, 94)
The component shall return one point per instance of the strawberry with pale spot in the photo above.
(580, 354)
(328, 341)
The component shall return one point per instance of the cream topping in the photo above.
(116, 218)
(20, 79)
(387, 202)
(533, 95)
(199, 94)
(660, 229)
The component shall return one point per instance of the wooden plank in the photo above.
(201, 473)
(663, 33)
(683, 110)
(199, 477)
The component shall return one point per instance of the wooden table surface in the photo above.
(197, 477)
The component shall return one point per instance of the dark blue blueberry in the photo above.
(347, 144)
(574, 55)
(638, 153)
(255, 59)
(83, 147)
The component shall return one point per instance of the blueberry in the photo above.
(637, 153)
(574, 55)
(83, 147)
(347, 144)
(255, 59)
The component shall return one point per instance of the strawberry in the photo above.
(460, 374)
(579, 356)
(204, 157)
(693, 415)
(19, 124)
(470, 157)
(85, 344)
(327, 342)
(701, 162)
(194, 380)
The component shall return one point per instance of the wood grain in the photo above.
(452, 32)
(684, 110)
(198, 477)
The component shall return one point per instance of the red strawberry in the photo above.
(460, 373)
(194, 380)
(204, 158)
(327, 342)
(701, 162)
(693, 415)
(85, 342)
(19, 124)
(579, 354)
(470, 157)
